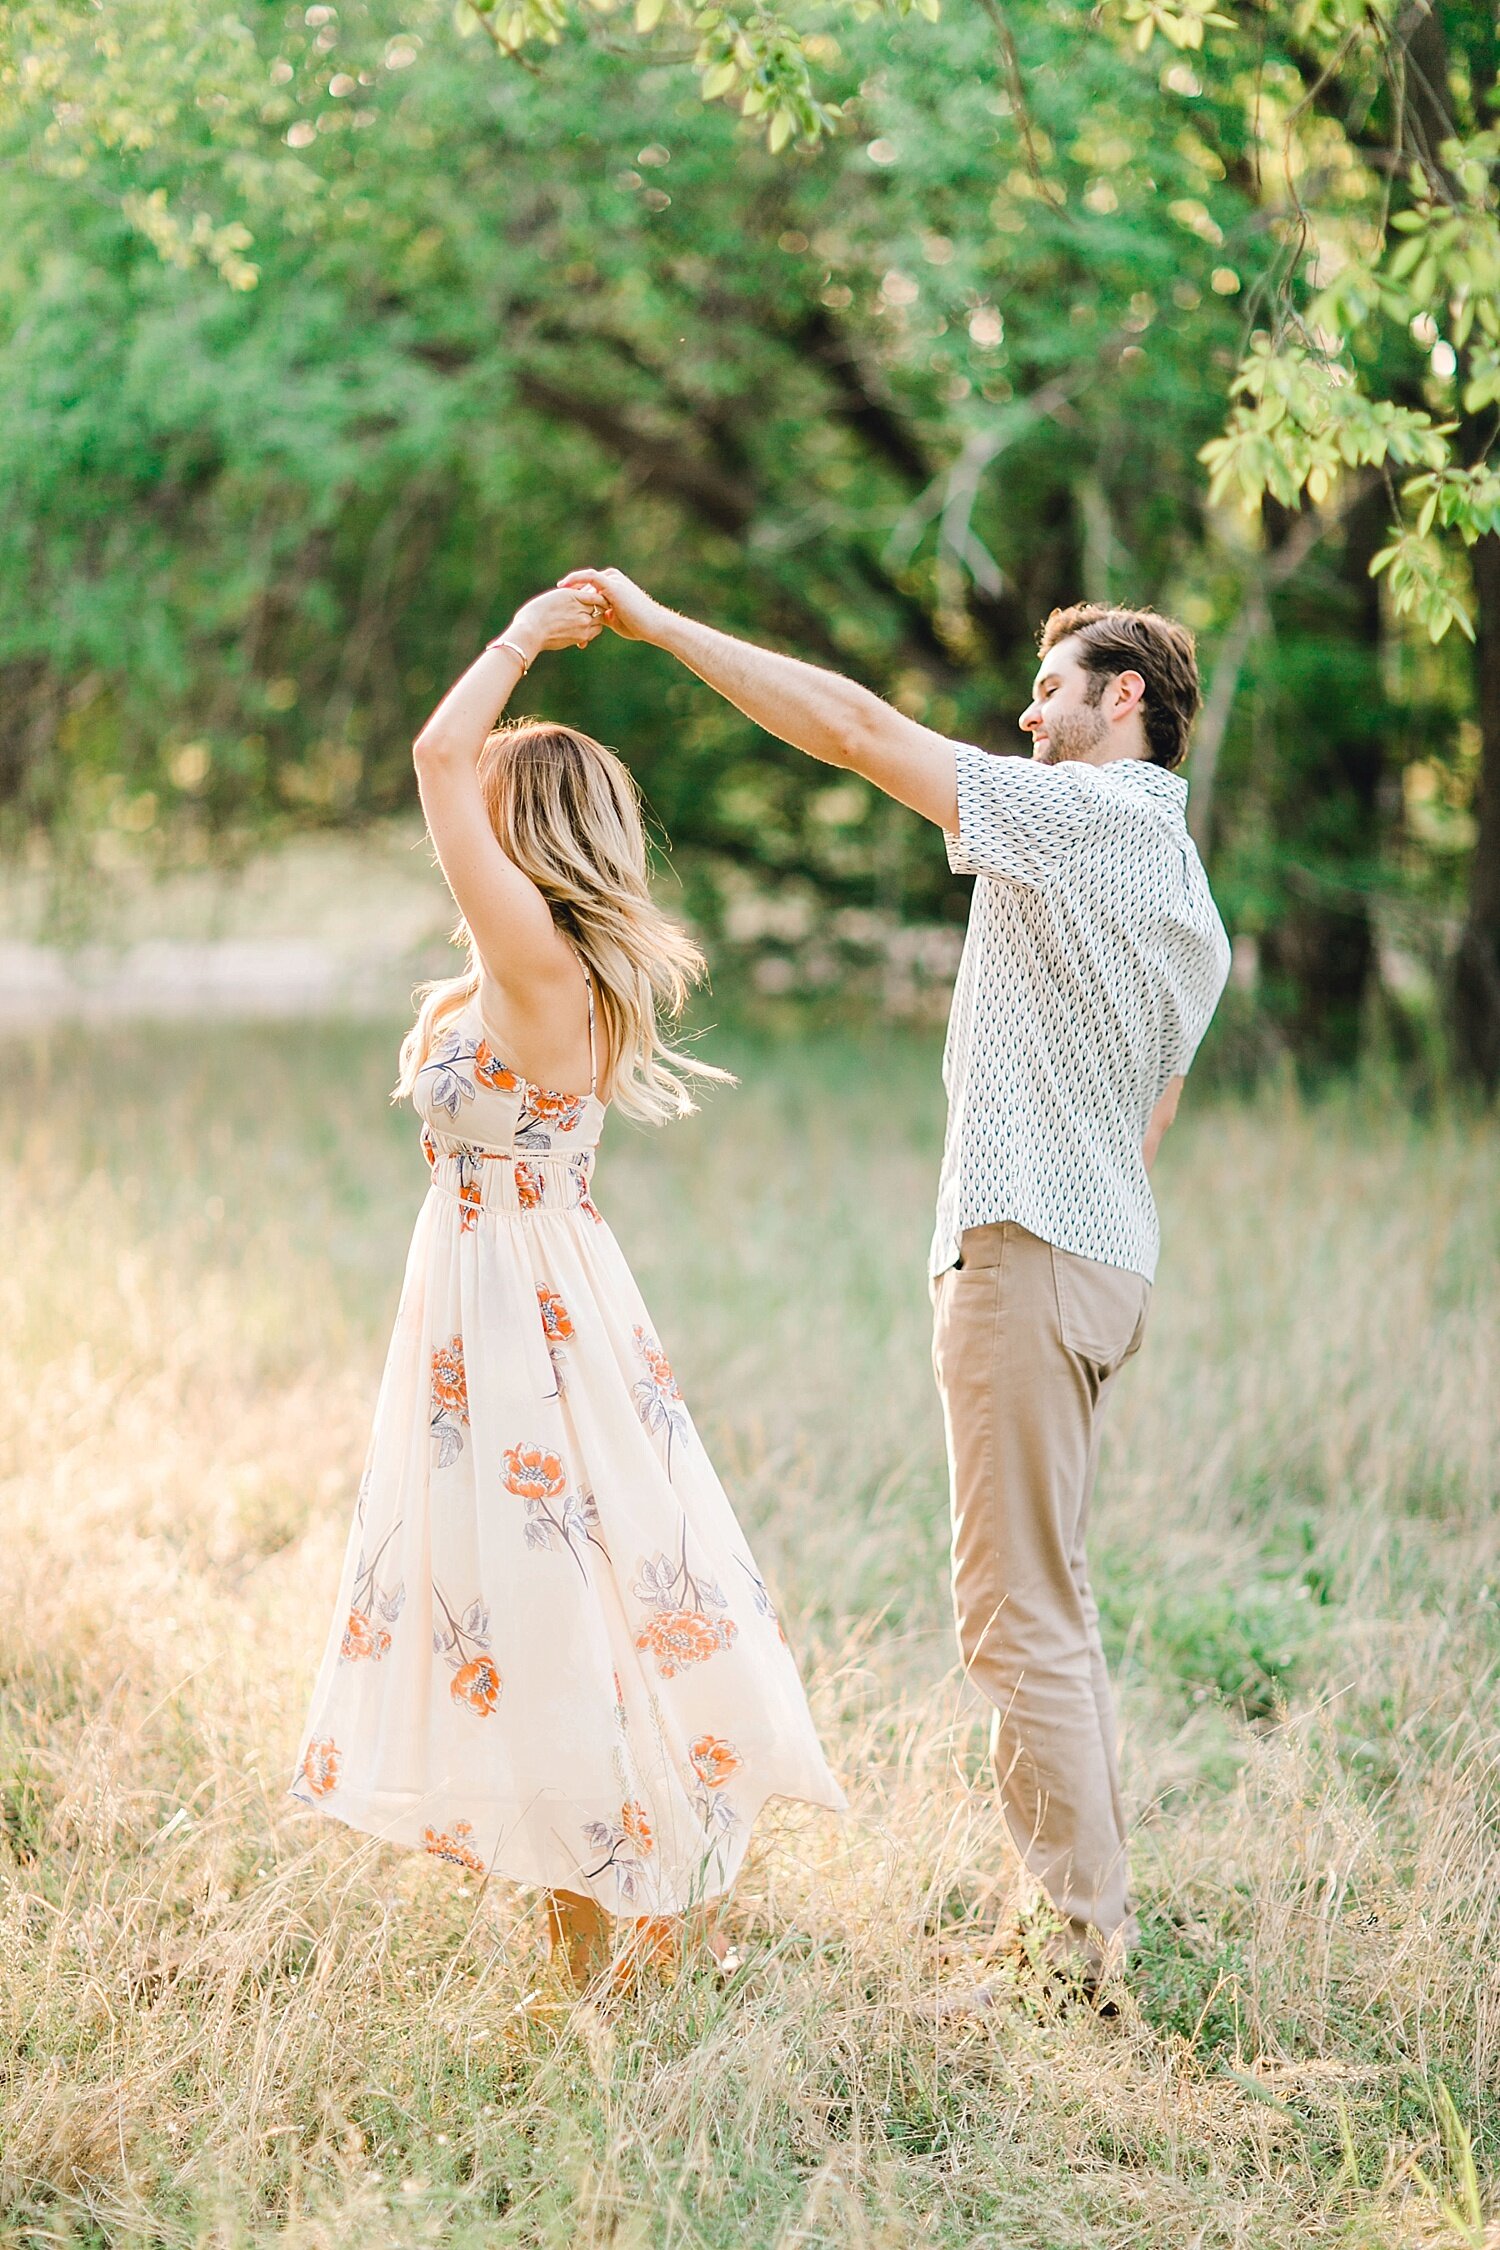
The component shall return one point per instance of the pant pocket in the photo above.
(964, 1305)
(1101, 1309)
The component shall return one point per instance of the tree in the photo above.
(944, 348)
(788, 388)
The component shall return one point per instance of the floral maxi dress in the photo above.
(552, 1656)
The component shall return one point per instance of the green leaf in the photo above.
(1405, 256)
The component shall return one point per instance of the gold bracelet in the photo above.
(511, 650)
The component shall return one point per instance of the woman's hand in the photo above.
(628, 608)
(563, 615)
(458, 727)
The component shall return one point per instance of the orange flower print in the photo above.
(464, 1643)
(361, 1638)
(657, 1393)
(539, 1478)
(681, 1637)
(491, 1072)
(445, 1074)
(448, 1416)
(467, 1160)
(714, 1760)
(358, 1639)
(658, 1366)
(454, 1846)
(560, 1110)
(530, 1187)
(557, 1327)
(637, 1828)
(429, 1147)
(373, 1606)
(449, 1385)
(714, 1763)
(622, 1845)
(477, 1685)
(658, 1397)
(682, 1632)
(531, 1473)
(320, 1765)
(581, 1171)
(545, 1114)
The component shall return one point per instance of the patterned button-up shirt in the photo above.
(1094, 961)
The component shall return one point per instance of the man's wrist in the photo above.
(661, 627)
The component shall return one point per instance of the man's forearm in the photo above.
(814, 710)
(830, 718)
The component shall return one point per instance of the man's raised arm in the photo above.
(829, 717)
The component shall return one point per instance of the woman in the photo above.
(552, 1657)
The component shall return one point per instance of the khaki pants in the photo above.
(1027, 1342)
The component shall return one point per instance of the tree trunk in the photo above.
(1476, 971)
(1333, 727)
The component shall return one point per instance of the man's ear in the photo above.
(1126, 694)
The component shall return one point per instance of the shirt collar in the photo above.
(1139, 775)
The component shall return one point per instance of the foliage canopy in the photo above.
(329, 329)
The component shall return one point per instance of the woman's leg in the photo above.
(580, 1934)
(587, 1939)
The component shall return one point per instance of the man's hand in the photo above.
(632, 613)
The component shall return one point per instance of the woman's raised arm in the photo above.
(508, 918)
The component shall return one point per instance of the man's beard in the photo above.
(1072, 735)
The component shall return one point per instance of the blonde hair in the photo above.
(569, 814)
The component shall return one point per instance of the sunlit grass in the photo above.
(223, 2024)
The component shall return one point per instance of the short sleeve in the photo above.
(1018, 820)
(1196, 980)
(1177, 1056)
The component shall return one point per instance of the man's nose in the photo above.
(1031, 718)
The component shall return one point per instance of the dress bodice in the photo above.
(495, 1142)
(465, 1095)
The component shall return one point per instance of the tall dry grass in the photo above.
(220, 2024)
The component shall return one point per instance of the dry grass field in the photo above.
(222, 2024)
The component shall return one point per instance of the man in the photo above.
(1093, 964)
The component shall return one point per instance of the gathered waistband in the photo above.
(501, 1179)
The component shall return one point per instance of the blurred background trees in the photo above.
(327, 333)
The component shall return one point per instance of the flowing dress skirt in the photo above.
(552, 1655)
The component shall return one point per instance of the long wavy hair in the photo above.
(569, 814)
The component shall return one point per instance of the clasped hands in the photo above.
(578, 608)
